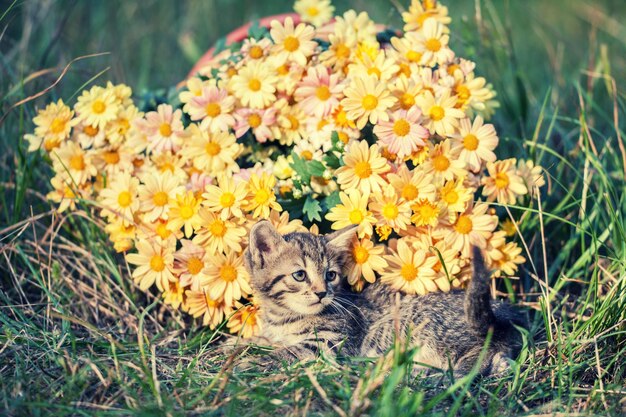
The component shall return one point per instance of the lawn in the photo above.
(78, 338)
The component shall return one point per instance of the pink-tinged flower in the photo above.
(198, 181)
(163, 128)
(262, 123)
(319, 92)
(403, 134)
(213, 107)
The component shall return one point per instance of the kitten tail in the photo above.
(478, 310)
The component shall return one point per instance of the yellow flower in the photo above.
(112, 161)
(425, 213)
(363, 166)
(443, 163)
(184, 212)
(53, 125)
(511, 257)
(255, 85)
(360, 26)
(71, 162)
(316, 12)
(340, 50)
(475, 143)
(122, 235)
(190, 264)
(412, 185)
(352, 210)
(227, 277)
(367, 99)
(418, 13)
(212, 311)
(216, 235)
(531, 174)
(120, 199)
(367, 259)
(292, 44)
(471, 228)
(154, 260)
(390, 210)
(173, 294)
(261, 196)
(97, 107)
(432, 42)
(245, 321)
(64, 193)
(225, 199)
(381, 67)
(157, 192)
(410, 270)
(212, 152)
(440, 115)
(503, 182)
(455, 196)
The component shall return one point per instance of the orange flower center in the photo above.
(213, 148)
(165, 130)
(90, 131)
(374, 71)
(322, 92)
(254, 120)
(343, 136)
(502, 180)
(186, 212)
(401, 127)
(313, 11)
(293, 122)
(360, 254)
(470, 142)
(306, 154)
(255, 52)
(433, 44)
(463, 224)
(425, 212)
(77, 162)
(441, 163)
(57, 126)
(162, 231)
(362, 169)
(408, 272)
(283, 69)
(160, 199)
(450, 196)
(218, 228)
(98, 107)
(342, 51)
(369, 102)
(111, 158)
(124, 199)
(228, 273)
(227, 199)
(291, 43)
(413, 56)
(437, 113)
(157, 263)
(213, 110)
(407, 101)
(262, 196)
(356, 217)
(452, 68)
(409, 192)
(390, 211)
(194, 265)
(463, 94)
(254, 84)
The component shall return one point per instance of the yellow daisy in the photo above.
(213, 312)
(120, 199)
(475, 142)
(157, 192)
(425, 212)
(64, 193)
(153, 263)
(217, 235)
(190, 263)
(531, 174)
(340, 50)
(255, 85)
(410, 270)
(261, 196)
(361, 26)
(432, 41)
(97, 107)
(174, 294)
(367, 99)
(212, 152)
(72, 162)
(440, 115)
(122, 235)
(455, 196)
(443, 163)
(471, 228)
(227, 277)
(292, 44)
(316, 12)
(53, 124)
(381, 67)
(245, 320)
(184, 212)
(503, 183)
(352, 210)
(420, 11)
(390, 210)
(226, 198)
(367, 260)
(363, 166)
(412, 185)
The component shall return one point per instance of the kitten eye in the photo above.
(330, 275)
(299, 275)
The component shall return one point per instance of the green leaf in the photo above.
(316, 168)
(332, 200)
(332, 160)
(312, 209)
(299, 165)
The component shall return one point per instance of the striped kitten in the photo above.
(298, 280)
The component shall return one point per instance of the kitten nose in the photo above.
(321, 295)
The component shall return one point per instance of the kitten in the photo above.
(305, 309)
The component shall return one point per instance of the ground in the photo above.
(77, 338)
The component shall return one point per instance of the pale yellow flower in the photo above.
(455, 196)
(227, 277)
(292, 44)
(440, 115)
(157, 192)
(352, 210)
(367, 260)
(503, 183)
(363, 167)
(53, 125)
(471, 228)
(212, 152)
(72, 162)
(261, 196)
(412, 185)
(217, 235)
(255, 85)
(390, 210)
(212, 311)
(153, 263)
(443, 164)
(420, 11)
(184, 212)
(120, 199)
(97, 107)
(474, 143)
(410, 270)
(367, 99)
(316, 12)
(245, 321)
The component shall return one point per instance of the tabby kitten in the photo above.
(305, 310)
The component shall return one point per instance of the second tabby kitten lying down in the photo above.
(305, 309)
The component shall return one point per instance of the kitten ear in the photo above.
(341, 240)
(264, 240)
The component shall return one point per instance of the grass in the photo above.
(76, 337)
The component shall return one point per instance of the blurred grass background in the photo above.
(75, 335)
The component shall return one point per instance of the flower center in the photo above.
(437, 113)
(441, 163)
(470, 142)
(165, 130)
(390, 211)
(362, 169)
(124, 199)
(227, 199)
(90, 131)
(254, 120)
(254, 84)
(463, 224)
(194, 265)
(283, 69)
(291, 43)
(425, 213)
(356, 217)
(369, 102)
(463, 93)
(343, 136)
(213, 110)
(157, 263)
(407, 101)
(502, 180)
(160, 199)
(293, 122)
(313, 11)
(262, 196)
(255, 52)
(433, 45)
(228, 273)
(360, 254)
(162, 231)
(77, 162)
(306, 154)
(98, 107)
(409, 192)
(111, 158)
(342, 51)
(217, 228)
(408, 272)
(213, 148)
(401, 127)
(374, 71)
(450, 196)
(186, 212)
(322, 92)
(57, 126)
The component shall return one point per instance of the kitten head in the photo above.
(298, 272)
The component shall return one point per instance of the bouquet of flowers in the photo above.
(314, 123)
